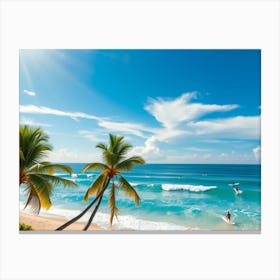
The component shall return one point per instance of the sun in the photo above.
(42, 62)
(33, 61)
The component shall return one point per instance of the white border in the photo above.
(153, 24)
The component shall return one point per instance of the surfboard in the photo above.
(227, 221)
(233, 184)
(237, 191)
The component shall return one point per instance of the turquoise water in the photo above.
(173, 197)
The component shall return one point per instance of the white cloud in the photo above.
(218, 141)
(66, 155)
(223, 158)
(93, 136)
(149, 151)
(170, 113)
(222, 155)
(165, 134)
(257, 153)
(123, 127)
(28, 92)
(196, 149)
(236, 127)
(183, 158)
(179, 118)
(130, 128)
(33, 109)
(25, 121)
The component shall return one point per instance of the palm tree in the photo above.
(114, 162)
(35, 174)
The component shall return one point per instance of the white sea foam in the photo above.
(60, 174)
(132, 223)
(192, 188)
(77, 180)
(122, 222)
(151, 185)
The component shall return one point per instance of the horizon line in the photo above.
(178, 163)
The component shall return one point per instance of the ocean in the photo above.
(173, 197)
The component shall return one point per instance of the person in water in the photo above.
(228, 216)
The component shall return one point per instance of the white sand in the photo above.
(51, 223)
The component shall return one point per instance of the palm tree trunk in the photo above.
(93, 213)
(84, 211)
(97, 206)
(79, 216)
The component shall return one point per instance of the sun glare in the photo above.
(58, 62)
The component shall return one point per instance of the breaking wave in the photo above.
(192, 188)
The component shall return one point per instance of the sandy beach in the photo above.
(50, 223)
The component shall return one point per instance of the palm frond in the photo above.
(42, 187)
(56, 181)
(21, 155)
(129, 190)
(124, 148)
(110, 158)
(33, 168)
(112, 204)
(33, 200)
(94, 166)
(33, 146)
(35, 154)
(128, 164)
(36, 174)
(96, 186)
(115, 142)
(45, 162)
(114, 161)
(102, 146)
(49, 168)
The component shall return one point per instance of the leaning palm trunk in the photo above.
(93, 213)
(108, 179)
(114, 163)
(80, 215)
(84, 211)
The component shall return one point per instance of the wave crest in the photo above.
(192, 188)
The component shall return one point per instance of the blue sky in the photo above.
(173, 106)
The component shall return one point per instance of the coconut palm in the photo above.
(114, 162)
(37, 175)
